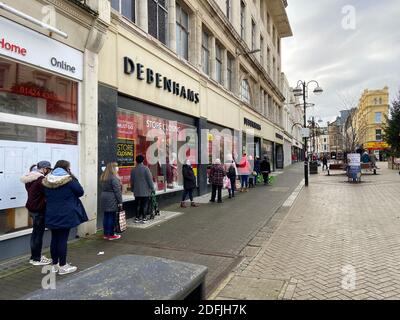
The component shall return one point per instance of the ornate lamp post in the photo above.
(302, 90)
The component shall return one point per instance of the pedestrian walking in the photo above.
(189, 184)
(373, 160)
(365, 157)
(64, 211)
(142, 186)
(257, 169)
(217, 174)
(231, 173)
(111, 199)
(36, 205)
(324, 163)
(244, 169)
(265, 168)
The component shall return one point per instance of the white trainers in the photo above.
(55, 268)
(66, 269)
(43, 261)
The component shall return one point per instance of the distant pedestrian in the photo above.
(142, 186)
(265, 168)
(111, 199)
(365, 158)
(189, 184)
(324, 163)
(231, 173)
(244, 168)
(373, 160)
(64, 211)
(217, 174)
(36, 205)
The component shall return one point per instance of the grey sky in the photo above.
(344, 62)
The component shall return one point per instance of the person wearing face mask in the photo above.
(111, 199)
(36, 205)
(189, 184)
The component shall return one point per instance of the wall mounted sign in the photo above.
(252, 124)
(159, 81)
(279, 136)
(24, 44)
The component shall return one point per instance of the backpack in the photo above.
(231, 172)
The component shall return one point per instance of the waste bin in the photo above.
(313, 167)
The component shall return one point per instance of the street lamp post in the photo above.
(302, 90)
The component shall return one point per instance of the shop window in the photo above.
(47, 96)
(182, 32)
(20, 147)
(245, 91)
(158, 19)
(205, 53)
(154, 137)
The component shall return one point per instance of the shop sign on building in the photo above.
(23, 44)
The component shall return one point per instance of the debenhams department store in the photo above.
(143, 86)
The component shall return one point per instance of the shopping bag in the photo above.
(271, 179)
(227, 183)
(260, 179)
(121, 221)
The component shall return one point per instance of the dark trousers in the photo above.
(216, 188)
(244, 179)
(141, 207)
(37, 235)
(109, 221)
(188, 192)
(58, 246)
(233, 187)
(324, 166)
(265, 177)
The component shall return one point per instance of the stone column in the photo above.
(142, 15)
(196, 54)
(171, 24)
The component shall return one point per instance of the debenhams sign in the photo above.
(159, 81)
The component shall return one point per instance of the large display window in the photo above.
(165, 144)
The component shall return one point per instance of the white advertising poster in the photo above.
(23, 44)
(354, 159)
(15, 160)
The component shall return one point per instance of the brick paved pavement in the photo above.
(338, 241)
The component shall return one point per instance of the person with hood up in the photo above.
(244, 168)
(217, 174)
(189, 184)
(231, 173)
(36, 205)
(265, 168)
(64, 211)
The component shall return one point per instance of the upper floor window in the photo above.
(380, 101)
(253, 35)
(279, 45)
(245, 91)
(125, 7)
(228, 9)
(158, 19)
(229, 67)
(182, 32)
(378, 117)
(218, 64)
(242, 19)
(378, 135)
(205, 53)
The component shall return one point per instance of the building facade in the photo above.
(48, 104)
(323, 148)
(372, 112)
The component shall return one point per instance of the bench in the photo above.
(130, 277)
(336, 166)
(368, 167)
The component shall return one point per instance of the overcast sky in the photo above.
(344, 61)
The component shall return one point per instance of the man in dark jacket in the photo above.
(324, 163)
(142, 186)
(189, 184)
(265, 168)
(36, 205)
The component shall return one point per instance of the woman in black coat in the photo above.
(265, 168)
(189, 183)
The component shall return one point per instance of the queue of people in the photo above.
(54, 203)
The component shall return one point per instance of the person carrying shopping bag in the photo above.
(64, 211)
(231, 174)
(111, 199)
